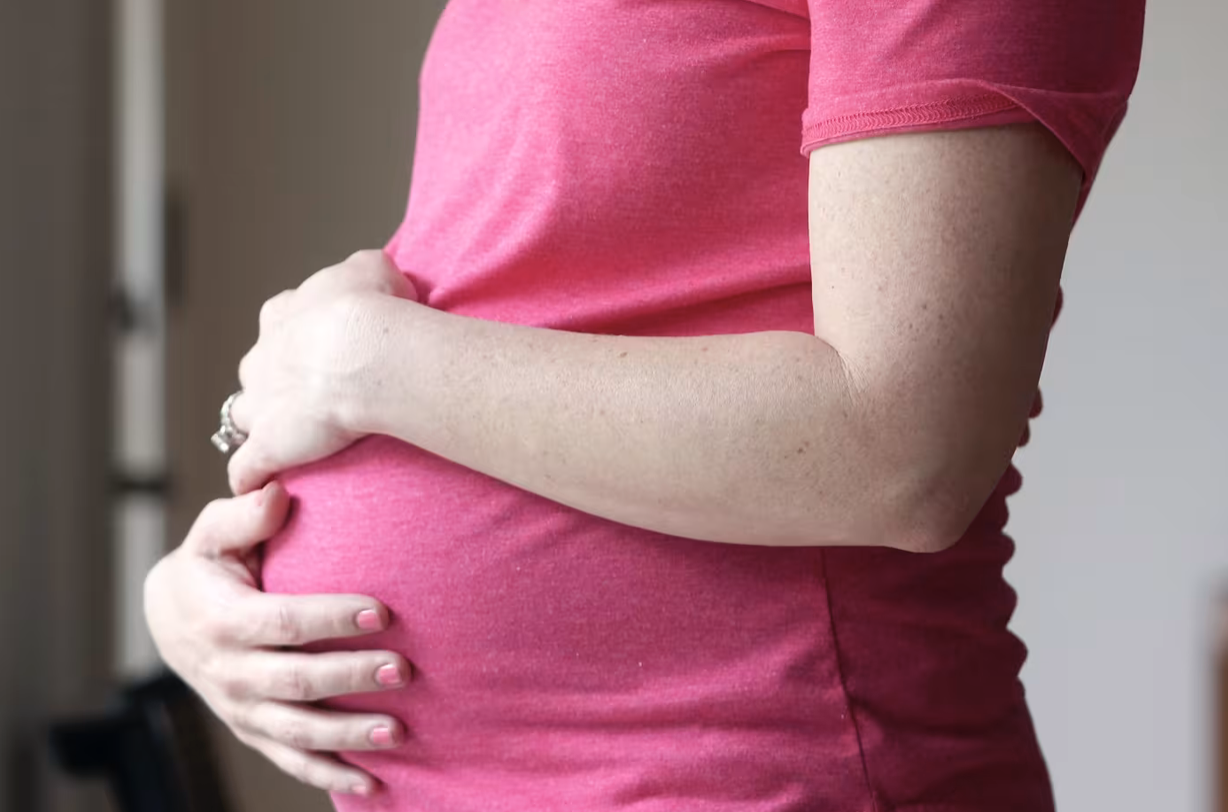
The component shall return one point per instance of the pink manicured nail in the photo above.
(389, 676)
(369, 620)
(382, 737)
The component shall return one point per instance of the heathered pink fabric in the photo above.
(633, 167)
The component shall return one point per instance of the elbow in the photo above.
(929, 486)
(930, 513)
(932, 537)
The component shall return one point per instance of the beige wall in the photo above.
(54, 255)
(291, 134)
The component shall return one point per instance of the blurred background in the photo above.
(166, 165)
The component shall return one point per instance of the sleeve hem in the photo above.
(927, 115)
(965, 104)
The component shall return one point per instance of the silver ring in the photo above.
(228, 437)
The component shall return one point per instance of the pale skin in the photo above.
(935, 258)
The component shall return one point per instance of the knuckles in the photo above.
(272, 309)
(284, 627)
(367, 256)
(238, 717)
(152, 588)
(359, 676)
(245, 368)
(296, 684)
(294, 734)
(235, 686)
(211, 624)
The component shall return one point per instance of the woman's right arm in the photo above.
(228, 640)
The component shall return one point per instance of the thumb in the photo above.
(239, 525)
(256, 461)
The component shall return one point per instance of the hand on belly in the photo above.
(533, 627)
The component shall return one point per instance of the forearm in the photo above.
(935, 261)
(752, 438)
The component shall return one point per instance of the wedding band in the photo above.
(228, 436)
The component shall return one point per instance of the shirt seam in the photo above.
(848, 702)
(935, 112)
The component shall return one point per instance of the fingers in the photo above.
(295, 677)
(240, 412)
(302, 727)
(264, 620)
(374, 265)
(238, 525)
(274, 310)
(370, 269)
(322, 772)
(370, 259)
(399, 284)
(251, 467)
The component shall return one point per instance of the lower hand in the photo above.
(227, 639)
(315, 355)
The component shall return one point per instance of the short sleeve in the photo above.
(880, 68)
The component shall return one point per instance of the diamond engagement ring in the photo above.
(228, 437)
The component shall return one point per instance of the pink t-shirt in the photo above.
(633, 167)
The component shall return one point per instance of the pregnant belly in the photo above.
(567, 662)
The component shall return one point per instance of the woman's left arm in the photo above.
(936, 262)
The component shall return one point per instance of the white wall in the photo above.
(1122, 524)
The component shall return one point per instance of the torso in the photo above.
(633, 167)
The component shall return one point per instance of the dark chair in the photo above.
(152, 748)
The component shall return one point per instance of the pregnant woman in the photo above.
(660, 461)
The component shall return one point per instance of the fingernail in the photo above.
(361, 789)
(382, 737)
(264, 493)
(369, 620)
(389, 676)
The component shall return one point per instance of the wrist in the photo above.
(380, 341)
